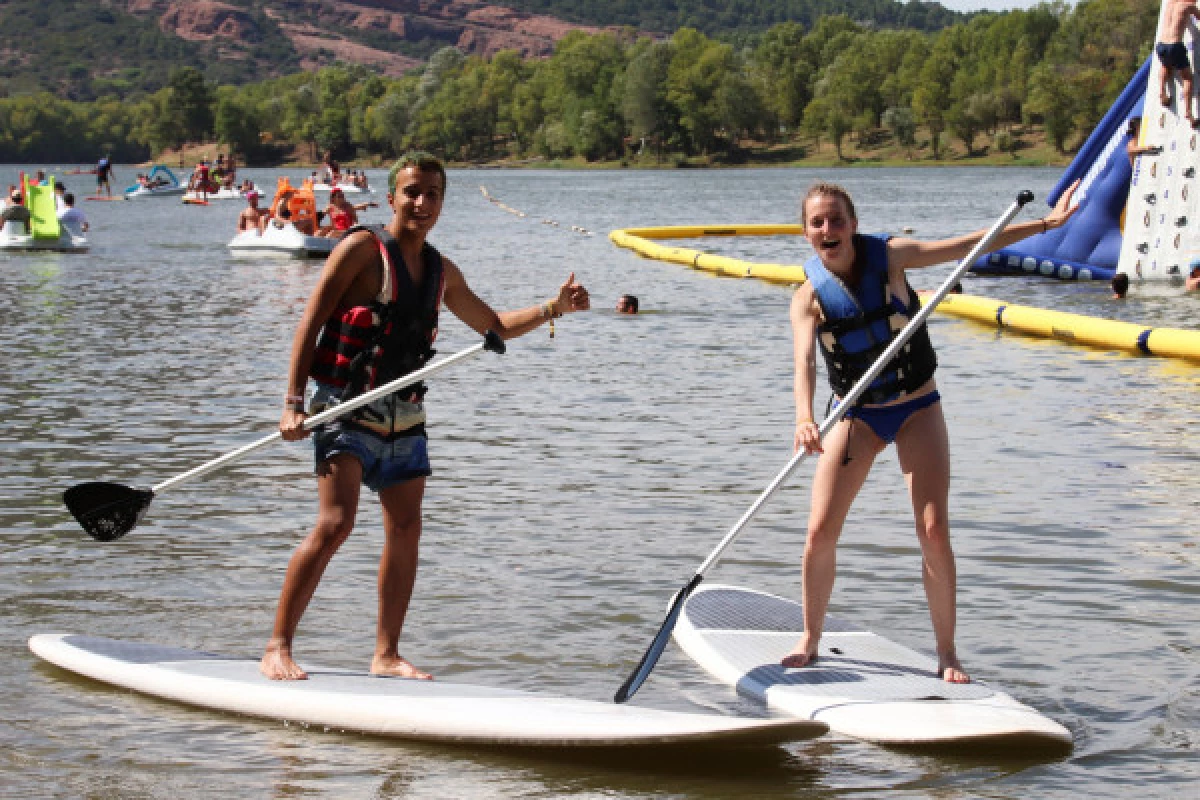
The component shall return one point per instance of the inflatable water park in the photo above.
(1133, 211)
(1136, 217)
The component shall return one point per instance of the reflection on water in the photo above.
(579, 482)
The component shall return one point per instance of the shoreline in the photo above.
(1033, 150)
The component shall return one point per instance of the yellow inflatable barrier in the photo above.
(1076, 329)
(639, 241)
(1106, 334)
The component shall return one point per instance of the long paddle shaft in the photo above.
(108, 511)
(496, 346)
(642, 671)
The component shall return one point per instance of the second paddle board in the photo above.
(861, 684)
(410, 709)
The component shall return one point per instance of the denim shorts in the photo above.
(385, 462)
(387, 459)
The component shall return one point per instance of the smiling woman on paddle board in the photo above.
(855, 301)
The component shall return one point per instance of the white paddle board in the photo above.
(410, 709)
(862, 685)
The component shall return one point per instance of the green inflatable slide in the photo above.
(43, 212)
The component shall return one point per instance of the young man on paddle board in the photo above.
(372, 317)
(104, 176)
(855, 301)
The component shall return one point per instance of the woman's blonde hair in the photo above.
(830, 190)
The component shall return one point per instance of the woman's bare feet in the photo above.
(397, 667)
(803, 654)
(277, 663)
(951, 670)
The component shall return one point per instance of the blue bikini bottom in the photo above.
(885, 421)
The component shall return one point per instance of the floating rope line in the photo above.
(518, 213)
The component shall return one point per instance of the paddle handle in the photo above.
(847, 402)
(491, 341)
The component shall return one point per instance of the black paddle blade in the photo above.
(642, 671)
(493, 342)
(107, 511)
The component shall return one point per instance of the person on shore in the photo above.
(627, 304)
(72, 218)
(104, 176)
(1173, 55)
(855, 300)
(1132, 148)
(15, 211)
(373, 316)
(252, 217)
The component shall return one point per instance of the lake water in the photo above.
(580, 481)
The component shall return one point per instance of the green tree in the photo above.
(784, 65)
(696, 69)
(903, 126)
(932, 96)
(236, 122)
(1050, 98)
(644, 102)
(191, 103)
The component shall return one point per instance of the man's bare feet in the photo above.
(397, 667)
(277, 663)
(803, 654)
(951, 670)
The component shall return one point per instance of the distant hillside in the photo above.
(84, 49)
(717, 17)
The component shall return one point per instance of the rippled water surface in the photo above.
(579, 481)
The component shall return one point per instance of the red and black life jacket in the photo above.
(363, 347)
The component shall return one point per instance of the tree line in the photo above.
(618, 95)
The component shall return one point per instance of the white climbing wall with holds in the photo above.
(1161, 236)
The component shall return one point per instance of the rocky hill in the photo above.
(390, 35)
(84, 49)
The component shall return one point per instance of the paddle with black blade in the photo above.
(642, 671)
(108, 511)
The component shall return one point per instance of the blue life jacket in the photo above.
(860, 323)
